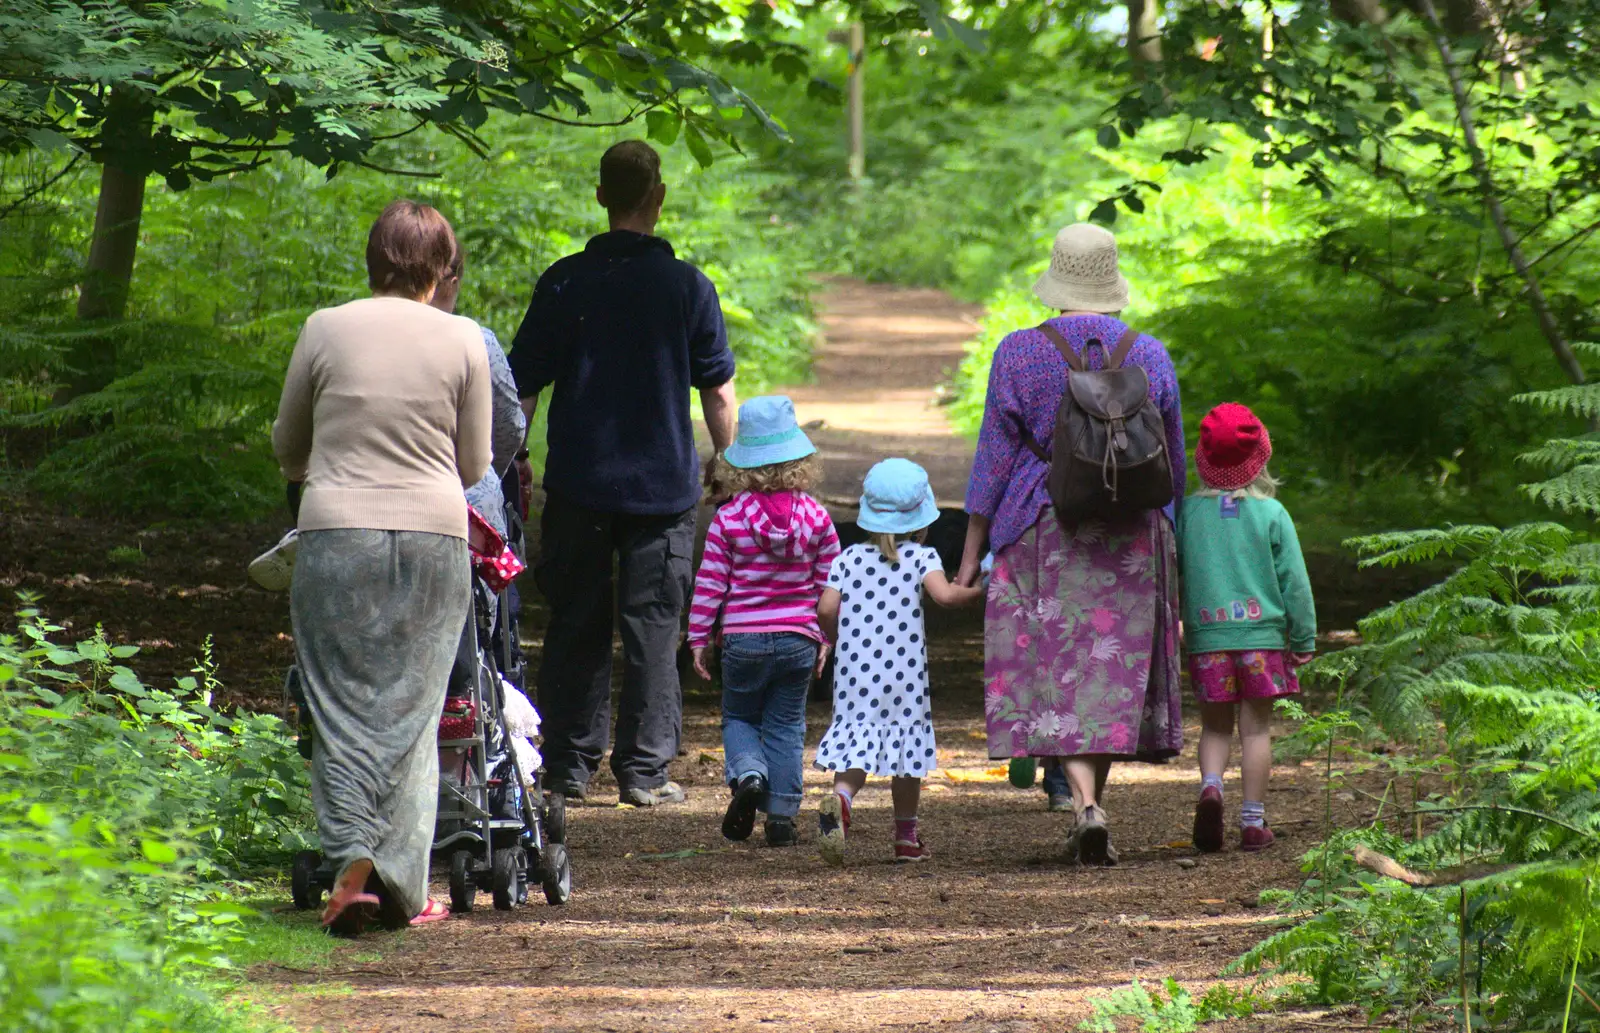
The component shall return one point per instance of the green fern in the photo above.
(1499, 663)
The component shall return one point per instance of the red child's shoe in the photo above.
(1208, 833)
(908, 852)
(1253, 839)
(833, 824)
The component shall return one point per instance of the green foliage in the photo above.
(195, 89)
(1499, 663)
(232, 267)
(1378, 331)
(123, 808)
(1178, 1012)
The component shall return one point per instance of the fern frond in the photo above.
(1563, 453)
(1576, 400)
(1575, 491)
(1393, 548)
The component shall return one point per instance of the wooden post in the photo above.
(858, 126)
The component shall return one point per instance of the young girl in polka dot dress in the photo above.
(872, 607)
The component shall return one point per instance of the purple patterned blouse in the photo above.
(1026, 383)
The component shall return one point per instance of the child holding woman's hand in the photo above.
(872, 608)
(1248, 618)
(767, 555)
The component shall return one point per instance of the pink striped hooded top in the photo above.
(765, 565)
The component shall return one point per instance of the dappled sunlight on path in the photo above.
(884, 355)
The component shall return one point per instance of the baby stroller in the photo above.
(495, 824)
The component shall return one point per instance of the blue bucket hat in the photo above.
(768, 434)
(896, 499)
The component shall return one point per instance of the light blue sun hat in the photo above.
(768, 434)
(896, 499)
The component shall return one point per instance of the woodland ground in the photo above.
(672, 928)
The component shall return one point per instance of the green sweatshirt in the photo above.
(1244, 580)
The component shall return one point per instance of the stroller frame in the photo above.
(488, 851)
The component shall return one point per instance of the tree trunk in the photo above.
(1559, 345)
(1144, 34)
(108, 273)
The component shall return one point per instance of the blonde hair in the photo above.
(728, 480)
(889, 544)
(1265, 486)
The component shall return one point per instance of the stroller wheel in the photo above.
(555, 817)
(462, 888)
(509, 874)
(303, 886)
(557, 874)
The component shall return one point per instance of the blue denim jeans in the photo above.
(765, 679)
(1055, 778)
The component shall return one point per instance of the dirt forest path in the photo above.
(671, 928)
(884, 354)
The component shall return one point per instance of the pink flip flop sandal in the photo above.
(432, 911)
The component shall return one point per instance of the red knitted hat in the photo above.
(1234, 447)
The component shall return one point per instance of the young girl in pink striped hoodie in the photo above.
(767, 556)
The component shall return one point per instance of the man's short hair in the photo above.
(411, 248)
(628, 172)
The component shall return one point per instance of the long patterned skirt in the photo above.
(377, 620)
(1081, 643)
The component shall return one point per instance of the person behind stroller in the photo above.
(385, 416)
(509, 425)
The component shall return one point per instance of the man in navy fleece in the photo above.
(621, 332)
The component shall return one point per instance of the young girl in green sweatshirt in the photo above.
(1249, 620)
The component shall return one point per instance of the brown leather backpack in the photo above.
(1108, 457)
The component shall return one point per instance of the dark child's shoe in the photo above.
(740, 819)
(655, 796)
(1253, 839)
(910, 852)
(1060, 803)
(833, 824)
(781, 832)
(1208, 833)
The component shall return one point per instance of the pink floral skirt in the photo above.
(1242, 674)
(1080, 642)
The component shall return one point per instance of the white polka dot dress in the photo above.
(882, 721)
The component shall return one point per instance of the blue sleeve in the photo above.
(510, 427)
(710, 358)
(1164, 388)
(536, 350)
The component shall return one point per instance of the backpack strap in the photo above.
(1074, 360)
(1125, 344)
(1114, 359)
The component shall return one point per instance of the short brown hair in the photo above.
(628, 172)
(410, 249)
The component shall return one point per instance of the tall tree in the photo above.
(193, 89)
(1144, 34)
(1490, 128)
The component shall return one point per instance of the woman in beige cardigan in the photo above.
(386, 418)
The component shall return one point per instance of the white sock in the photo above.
(1253, 814)
(1207, 781)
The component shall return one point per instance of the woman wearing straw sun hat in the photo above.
(1081, 624)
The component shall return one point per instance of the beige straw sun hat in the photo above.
(1083, 274)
